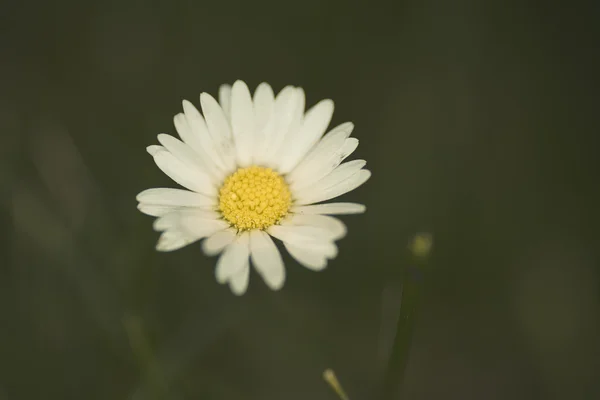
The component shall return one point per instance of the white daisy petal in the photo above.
(338, 175)
(233, 259)
(322, 152)
(264, 101)
(186, 176)
(156, 210)
(330, 208)
(279, 120)
(238, 282)
(215, 243)
(186, 228)
(198, 137)
(310, 259)
(200, 227)
(190, 131)
(192, 221)
(242, 123)
(264, 105)
(313, 126)
(325, 167)
(334, 226)
(267, 259)
(153, 149)
(348, 148)
(345, 186)
(187, 155)
(328, 249)
(172, 240)
(185, 132)
(289, 109)
(225, 99)
(301, 233)
(175, 197)
(219, 129)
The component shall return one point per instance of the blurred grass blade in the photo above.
(333, 381)
(144, 355)
(409, 300)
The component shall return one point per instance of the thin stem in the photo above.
(409, 301)
(332, 380)
(144, 355)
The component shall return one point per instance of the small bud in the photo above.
(332, 380)
(421, 245)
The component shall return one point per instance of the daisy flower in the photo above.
(254, 168)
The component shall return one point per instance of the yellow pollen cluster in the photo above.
(254, 198)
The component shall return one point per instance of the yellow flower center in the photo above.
(254, 198)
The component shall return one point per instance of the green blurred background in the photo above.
(476, 118)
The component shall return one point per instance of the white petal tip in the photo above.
(317, 267)
(153, 149)
(277, 287)
(264, 86)
(274, 282)
(161, 137)
(165, 246)
(237, 292)
(330, 209)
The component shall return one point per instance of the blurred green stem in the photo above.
(144, 355)
(409, 300)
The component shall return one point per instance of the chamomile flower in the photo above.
(254, 168)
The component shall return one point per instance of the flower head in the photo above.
(254, 168)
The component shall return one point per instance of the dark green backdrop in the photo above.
(476, 118)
